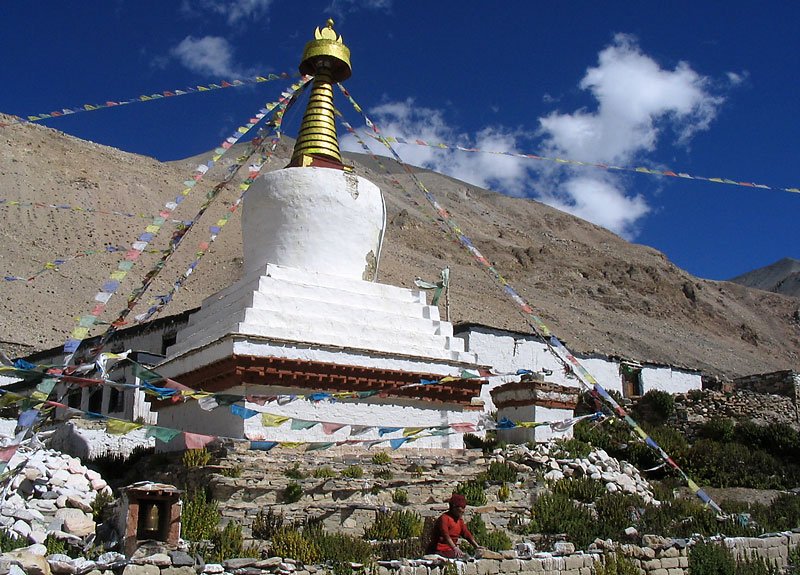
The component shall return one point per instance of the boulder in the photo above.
(76, 522)
(30, 563)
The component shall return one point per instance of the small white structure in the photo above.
(507, 352)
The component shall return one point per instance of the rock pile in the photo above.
(599, 465)
(51, 495)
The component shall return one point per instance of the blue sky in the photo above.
(705, 88)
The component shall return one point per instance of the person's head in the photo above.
(457, 505)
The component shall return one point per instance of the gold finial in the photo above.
(328, 60)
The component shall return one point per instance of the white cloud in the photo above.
(600, 201)
(736, 79)
(407, 120)
(636, 101)
(209, 55)
(234, 11)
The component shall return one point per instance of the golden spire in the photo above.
(328, 60)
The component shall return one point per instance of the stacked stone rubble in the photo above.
(52, 494)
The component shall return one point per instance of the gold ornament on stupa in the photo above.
(328, 60)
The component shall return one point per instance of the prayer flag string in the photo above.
(146, 98)
(56, 263)
(569, 162)
(539, 327)
(70, 208)
(117, 426)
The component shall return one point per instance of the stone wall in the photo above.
(246, 482)
(696, 408)
(661, 557)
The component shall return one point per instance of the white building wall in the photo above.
(670, 380)
(375, 415)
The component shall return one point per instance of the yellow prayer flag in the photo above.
(119, 427)
(291, 444)
(269, 420)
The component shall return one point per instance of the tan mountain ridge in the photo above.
(597, 292)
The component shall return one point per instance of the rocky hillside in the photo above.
(598, 292)
(781, 277)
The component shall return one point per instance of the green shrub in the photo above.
(293, 492)
(400, 496)
(199, 517)
(615, 564)
(496, 540)
(394, 525)
(719, 429)
(572, 448)
(400, 549)
(294, 472)
(324, 472)
(55, 545)
(266, 524)
(711, 559)
(9, 541)
(101, 502)
(352, 472)
(383, 474)
(290, 543)
(235, 471)
(555, 513)
(500, 472)
(783, 513)
(504, 493)
(227, 543)
(735, 465)
(655, 406)
(474, 491)
(793, 568)
(615, 512)
(196, 457)
(583, 489)
(755, 565)
(340, 549)
(381, 458)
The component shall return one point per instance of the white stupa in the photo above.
(307, 315)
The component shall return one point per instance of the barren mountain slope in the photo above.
(596, 291)
(782, 277)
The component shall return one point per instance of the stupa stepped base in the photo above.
(285, 305)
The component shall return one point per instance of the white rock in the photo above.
(159, 559)
(611, 488)
(213, 568)
(61, 564)
(78, 503)
(78, 482)
(76, 522)
(23, 514)
(22, 528)
(553, 475)
(84, 565)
